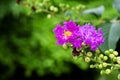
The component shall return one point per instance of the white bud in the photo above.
(49, 16)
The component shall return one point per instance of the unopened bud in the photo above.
(78, 49)
(104, 64)
(75, 57)
(118, 76)
(91, 66)
(115, 59)
(102, 72)
(55, 9)
(118, 60)
(100, 66)
(89, 54)
(101, 55)
(97, 51)
(115, 53)
(107, 52)
(111, 56)
(105, 58)
(51, 8)
(65, 46)
(107, 71)
(111, 50)
(87, 59)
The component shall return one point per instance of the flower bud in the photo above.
(115, 59)
(111, 50)
(51, 8)
(55, 9)
(111, 56)
(118, 60)
(78, 49)
(101, 55)
(102, 72)
(115, 53)
(105, 58)
(91, 66)
(107, 52)
(107, 71)
(75, 57)
(89, 54)
(49, 16)
(118, 76)
(67, 6)
(104, 64)
(87, 59)
(38, 10)
(65, 46)
(100, 66)
(97, 51)
(40, 4)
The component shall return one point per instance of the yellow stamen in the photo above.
(67, 34)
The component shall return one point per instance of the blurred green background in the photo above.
(27, 42)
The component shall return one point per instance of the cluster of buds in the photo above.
(48, 7)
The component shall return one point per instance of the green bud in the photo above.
(40, 4)
(91, 66)
(100, 66)
(78, 49)
(102, 72)
(38, 10)
(97, 51)
(118, 76)
(118, 60)
(107, 71)
(104, 64)
(107, 52)
(89, 54)
(105, 58)
(115, 53)
(101, 55)
(75, 57)
(111, 50)
(87, 59)
(61, 4)
(67, 6)
(55, 9)
(49, 16)
(111, 56)
(65, 46)
(115, 59)
(51, 8)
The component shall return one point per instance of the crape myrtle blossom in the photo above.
(75, 34)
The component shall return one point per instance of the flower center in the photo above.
(67, 34)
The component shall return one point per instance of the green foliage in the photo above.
(111, 34)
(27, 37)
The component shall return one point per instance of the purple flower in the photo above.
(76, 35)
(65, 33)
(90, 36)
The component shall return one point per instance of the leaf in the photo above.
(116, 4)
(111, 35)
(96, 11)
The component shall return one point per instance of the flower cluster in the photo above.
(76, 35)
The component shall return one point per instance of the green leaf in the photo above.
(116, 4)
(96, 11)
(111, 35)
